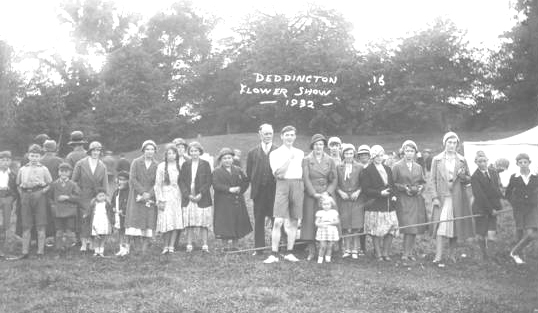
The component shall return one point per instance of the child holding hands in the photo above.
(327, 221)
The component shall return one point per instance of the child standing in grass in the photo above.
(327, 222)
(101, 221)
(64, 203)
(487, 201)
(522, 192)
(119, 202)
(34, 181)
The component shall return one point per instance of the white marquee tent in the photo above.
(507, 148)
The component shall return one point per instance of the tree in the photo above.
(429, 81)
(517, 68)
(316, 42)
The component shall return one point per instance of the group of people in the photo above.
(325, 198)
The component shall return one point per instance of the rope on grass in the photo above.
(363, 233)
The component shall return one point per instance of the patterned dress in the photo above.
(171, 217)
(328, 232)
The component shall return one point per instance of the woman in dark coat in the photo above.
(380, 220)
(319, 177)
(90, 175)
(195, 183)
(409, 182)
(231, 220)
(141, 216)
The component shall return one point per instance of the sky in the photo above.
(32, 25)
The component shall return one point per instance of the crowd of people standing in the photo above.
(334, 196)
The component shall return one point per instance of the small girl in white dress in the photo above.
(101, 217)
(327, 221)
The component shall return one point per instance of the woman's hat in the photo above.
(94, 145)
(409, 143)
(363, 149)
(450, 135)
(225, 151)
(316, 138)
(197, 145)
(376, 150)
(5, 155)
(148, 143)
(347, 146)
(180, 141)
(77, 138)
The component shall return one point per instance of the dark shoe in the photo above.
(257, 253)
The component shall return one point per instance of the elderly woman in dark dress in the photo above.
(409, 182)
(230, 220)
(319, 177)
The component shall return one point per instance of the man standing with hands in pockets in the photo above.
(286, 164)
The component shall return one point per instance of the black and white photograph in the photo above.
(268, 156)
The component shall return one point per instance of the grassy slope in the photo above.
(241, 283)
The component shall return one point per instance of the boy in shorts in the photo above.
(487, 201)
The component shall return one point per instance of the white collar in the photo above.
(518, 174)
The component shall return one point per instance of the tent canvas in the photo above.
(507, 148)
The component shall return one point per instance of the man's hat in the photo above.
(77, 138)
(49, 145)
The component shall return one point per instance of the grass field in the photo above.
(217, 282)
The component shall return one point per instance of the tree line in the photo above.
(164, 76)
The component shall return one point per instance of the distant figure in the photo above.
(335, 150)
(123, 165)
(427, 159)
(236, 158)
(8, 194)
(110, 163)
(363, 155)
(77, 142)
(181, 146)
(52, 163)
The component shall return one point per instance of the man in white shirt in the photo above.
(286, 164)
